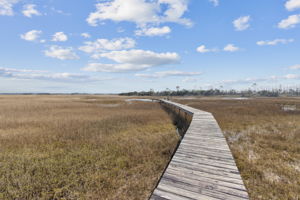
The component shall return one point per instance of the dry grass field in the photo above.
(265, 141)
(82, 147)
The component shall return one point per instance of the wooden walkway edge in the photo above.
(203, 167)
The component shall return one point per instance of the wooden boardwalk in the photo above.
(203, 166)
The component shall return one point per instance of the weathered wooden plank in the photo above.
(208, 158)
(208, 162)
(203, 162)
(195, 173)
(186, 193)
(206, 183)
(205, 169)
(202, 188)
(204, 151)
(199, 177)
(169, 195)
(206, 147)
(203, 166)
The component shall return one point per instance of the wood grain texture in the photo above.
(203, 167)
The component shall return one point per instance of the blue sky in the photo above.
(110, 46)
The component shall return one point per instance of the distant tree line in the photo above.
(217, 92)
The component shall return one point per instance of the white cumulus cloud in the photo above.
(59, 37)
(153, 31)
(32, 35)
(292, 5)
(137, 56)
(140, 12)
(133, 60)
(6, 7)
(274, 42)
(163, 74)
(29, 10)
(290, 22)
(231, 48)
(242, 23)
(62, 53)
(101, 45)
(203, 49)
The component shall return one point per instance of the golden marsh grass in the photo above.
(265, 141)
(76, 147)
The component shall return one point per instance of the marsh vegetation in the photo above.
(82, 147)
(104, 147)
(264, 138)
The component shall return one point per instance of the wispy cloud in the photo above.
(231, 48)
(164, 74)
(85, 35)
(258, 80)
(203, 49)
(27, 74)
(274, 42)
(61, 12)
(227, 48)
(102, 45)
(292, 76)
(3, 69)
(294, 67)
(153, 31)
(215, 2)
(190, 80)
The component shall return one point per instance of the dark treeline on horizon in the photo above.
(218, 92)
